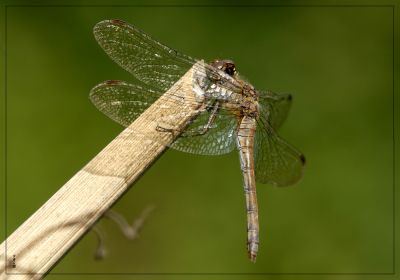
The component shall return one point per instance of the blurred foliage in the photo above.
(338, 64)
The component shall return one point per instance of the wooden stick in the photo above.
(42, 240)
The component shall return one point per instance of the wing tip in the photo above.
(92, 94)
(112, 82)
(115, 21)
(119, 22)
(108, 83)
(100, 23)
(104, 23)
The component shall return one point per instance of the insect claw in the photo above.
(168, 130)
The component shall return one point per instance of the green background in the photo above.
(336, 61)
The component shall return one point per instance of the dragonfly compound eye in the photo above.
(230, 68)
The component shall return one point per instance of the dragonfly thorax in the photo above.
(249, 103)
(250, 108)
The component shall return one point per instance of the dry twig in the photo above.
(43, 239)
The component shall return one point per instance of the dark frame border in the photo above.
(392, 6)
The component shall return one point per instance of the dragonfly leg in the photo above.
(199, 132)
(164, 129)
(173, 131)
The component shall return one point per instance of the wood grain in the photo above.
(44, 238)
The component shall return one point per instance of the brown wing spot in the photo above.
(118, 22)
(303, 159)
(112, 82)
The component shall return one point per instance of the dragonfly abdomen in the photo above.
(245, 142)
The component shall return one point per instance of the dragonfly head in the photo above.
(226, 65)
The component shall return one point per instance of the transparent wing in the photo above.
(150, 61)
(146, 59)
(219, 139)
(124, 102)
(274, 107)
(121, 101)
(158, 67)
(276, 162)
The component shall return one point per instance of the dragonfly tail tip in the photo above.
(252, 257)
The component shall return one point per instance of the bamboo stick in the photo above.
(44, 238)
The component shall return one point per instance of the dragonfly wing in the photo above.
(148, 60)
(124, 102)
(121, 101)
(219, 139)
(277, 162)
(274, 107)
(158, 67)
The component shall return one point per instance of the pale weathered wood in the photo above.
(47, 235)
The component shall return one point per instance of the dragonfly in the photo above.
(234, 115)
